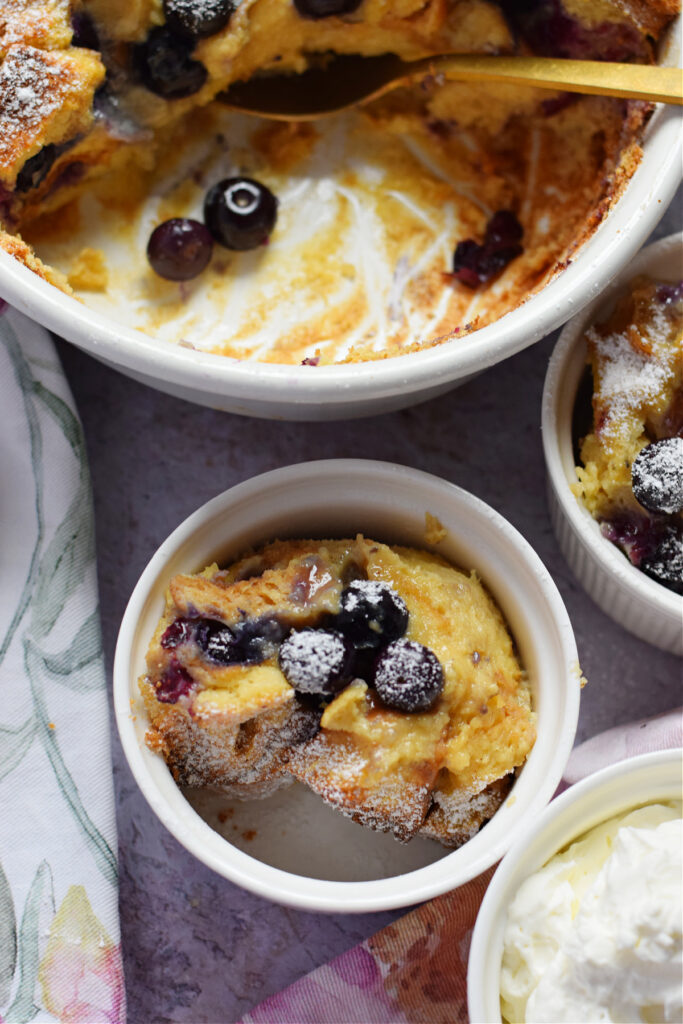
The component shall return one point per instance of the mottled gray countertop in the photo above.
(196, 948)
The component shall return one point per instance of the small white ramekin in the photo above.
(614, 790)
(388, 502)
(631, 598)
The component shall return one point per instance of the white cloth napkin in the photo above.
(60, 957)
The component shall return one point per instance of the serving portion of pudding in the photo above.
(381, 677)
(631, 477)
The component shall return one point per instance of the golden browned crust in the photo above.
(245, 759)
(16, 247)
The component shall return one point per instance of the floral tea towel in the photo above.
(60, 958)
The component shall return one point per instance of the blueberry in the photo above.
(258, 639)
(408, 676)
(474, 264)
(217, 642)
(180, 631)
(179, 249)
(164, 64)
(550, 31)
(37, 168)
(316, 661)
(174, 683)
(371, 614)
(325, 8)
(503, 230)
(465, 262)
(670, 293)
(665, 564)
(197, 19)
(240, 213)
(243, 644)
(84, 31)
(657, 476)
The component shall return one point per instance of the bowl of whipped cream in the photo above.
(582, 920)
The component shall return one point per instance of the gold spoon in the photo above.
(348, 81)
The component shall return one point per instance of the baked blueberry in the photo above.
(465, 260)
(408, 676)
(240, 213)
(179, 249)
(173, 684)
(217, 642)
(665, 564)
(84, 31)
(670, 293)
(371, 614)
(37, 168)
(258, 639)
(551, 31)
(180, 631)
(197, 19)
(316, 661)
(657, 476)
(325, 8)
(474, 264)
(165, 66)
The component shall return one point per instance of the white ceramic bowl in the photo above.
(349, 868)
(336, 392)
(631, 598)
(614, 790)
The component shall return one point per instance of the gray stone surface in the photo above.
(197, 948)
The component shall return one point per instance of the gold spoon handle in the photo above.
(631, 81)
(351, 80)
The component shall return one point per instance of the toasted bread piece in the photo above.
(456, 814)
(335, 767)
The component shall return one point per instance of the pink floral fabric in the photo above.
(415, 970)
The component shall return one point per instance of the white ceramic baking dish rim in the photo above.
(631, 598)
(543, 768)
(297, 391)
(611, 791)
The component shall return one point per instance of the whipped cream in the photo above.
(595, 935)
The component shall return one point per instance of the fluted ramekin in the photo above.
(636, 602)
(388, 502)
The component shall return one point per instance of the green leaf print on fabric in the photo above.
(72, 548)
(54, 575)
(8, 938)
(100, 849)
(38, 913)
(85, 648)
(14, 744)
(26, 383)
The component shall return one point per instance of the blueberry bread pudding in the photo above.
(125, 179)
(631, 476)
(381, 677)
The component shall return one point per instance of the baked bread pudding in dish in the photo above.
(631, 477)
(381, 677)
(401, 225)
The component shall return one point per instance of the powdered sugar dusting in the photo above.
(311, 659)
(31, 89)
(629, 379)
(657, 476)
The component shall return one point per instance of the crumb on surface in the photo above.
(89, 271)
(435, 531)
